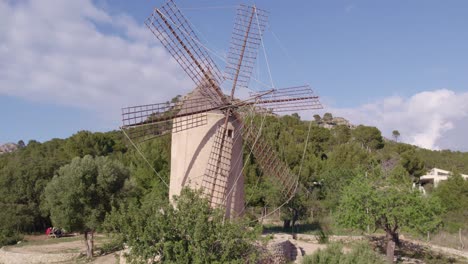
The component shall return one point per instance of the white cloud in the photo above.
(76, 54)
(426, 119)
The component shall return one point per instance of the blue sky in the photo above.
(71, 65)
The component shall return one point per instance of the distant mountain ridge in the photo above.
(8, 147)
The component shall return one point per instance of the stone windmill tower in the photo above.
(208, 127)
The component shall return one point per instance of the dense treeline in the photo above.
(332, 159)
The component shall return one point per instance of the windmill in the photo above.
(210, 128)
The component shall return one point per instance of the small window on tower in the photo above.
(230, 132)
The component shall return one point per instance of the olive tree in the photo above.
(383, 204)
(82, 192)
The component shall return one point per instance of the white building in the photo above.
(436, 175)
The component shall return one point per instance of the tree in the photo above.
(341, 134)
(412, 163)
(21, 144)
(82, 192)
(370, 138)
(454, 195)
(349, 156)
(86, 143)
(190, 231)
(327, 117)
(382, 205)
(317, 118)
(294, 210)
(396, 135)
(176, 99)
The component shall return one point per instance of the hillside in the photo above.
(334, 156)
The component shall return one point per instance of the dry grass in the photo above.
(446, 239)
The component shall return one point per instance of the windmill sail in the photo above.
(171, 27)
(215, 179)
(246, 38)
(285, 100)
(145, 122)
(269, 162)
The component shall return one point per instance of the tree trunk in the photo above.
(286, 224)
(390, 250)
(89, 242)
(294, 220)
(263, 214)
(390, 237)
(461, 239)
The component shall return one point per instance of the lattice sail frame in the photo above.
(173, 30)
(246, 38)
(270, 163)
(216, 177)
(299, 98)
(146, 122)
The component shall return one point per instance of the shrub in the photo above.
(9, 238)
(114, 245)
(361, 253)
(322, 237)
(191, 231)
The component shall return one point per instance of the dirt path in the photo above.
(308, 244)
(41, 249)
(443, 250)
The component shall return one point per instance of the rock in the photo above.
(278, 252)
(335, 121)
(8, 147)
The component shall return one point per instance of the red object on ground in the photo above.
(48, 230)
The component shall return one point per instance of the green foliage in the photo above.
(25, 173)
(115, 244)
(399, 175)
(454, 195)
(333, 159)
(82, 192)
(349, 156)
(369, 137)
(322, 237)
(142, 176)
(334, 180)
(380, 204)
(317, 118)
(188, 232)
(396, 134)
(445, 159)
(23, 177)
(95, 144)
(412, 163)
(327, 117)
(9, 237)
(360, 253)
(341, 134)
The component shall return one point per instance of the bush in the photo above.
(9, 238)
(332, 254)
(361, 253)
(191, 231)
(322, 237)
(114, 245)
